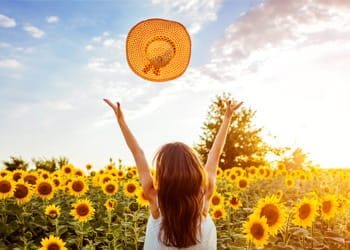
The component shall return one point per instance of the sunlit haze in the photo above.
(287, 60)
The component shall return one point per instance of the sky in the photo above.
(288, 60)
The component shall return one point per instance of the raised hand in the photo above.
(230, 108)
(116, 108)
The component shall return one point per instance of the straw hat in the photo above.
(158, 50)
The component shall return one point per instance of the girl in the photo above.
(180, 193)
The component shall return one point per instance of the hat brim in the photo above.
(138, 38)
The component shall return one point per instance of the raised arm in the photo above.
(136, 150)
(218, 145)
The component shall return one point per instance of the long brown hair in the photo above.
(180, 179)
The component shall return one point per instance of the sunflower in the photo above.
(268, 172)
(218, 213)
(110, 167)
(67, 169)
(141, 199)
(110, 187)
(329, 207)
(44, 174)
(274, 212)
(88, 166)
(289, 181)
(17, 174)
(120, 174)
(226, 173)
(104, 178)
(232, 176)
(261, 172)
(256, 229)
(78, 172)
(219, 172)
(7, 187)
(78, 186)
(279, 194)
(53, 211)
(4, 173)
(216, 199)
(305, 212)
(252, 171)
(110, 204)
(52, 243)
(23, 192)
(82, 210)
(242, 183)
(57, 182)
(238, 171)
(234, 202)
(45, 188)
(281, 166)
(30, 178)
(130, 188)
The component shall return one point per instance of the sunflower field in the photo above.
(256, 208)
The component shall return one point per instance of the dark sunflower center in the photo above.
(110, 188)
(304, 211)
(16, 176)
(53, 246)
(234, 201)
(106, 179)
(67, 170)
(131, 188)
(82, 210)
(270, 211)
(257, 231)
(45, 188)
(217, 214)
(243, 183)
(5, 186)
(78, 186)
(31, 179)
(21, 191)
(326, 206)
(215, 200)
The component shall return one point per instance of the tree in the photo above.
(244, 146)
(298, 160)
(16, 163)
(50, 164)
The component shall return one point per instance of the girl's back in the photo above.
(207, 237)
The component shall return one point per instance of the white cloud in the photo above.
(113, 43)
(7, 22)
(273, 27)
(34, 31)
(195, 13)
(97, 39)
(104, 65)
(9, 64)
(52, 19)
(89, 47)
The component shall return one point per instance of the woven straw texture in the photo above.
(166, 41)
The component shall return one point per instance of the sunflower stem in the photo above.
(4, 212)
(56, 227)
(136, 230)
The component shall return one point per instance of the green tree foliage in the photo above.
(244, 146)
(15, 163)
(50, 164)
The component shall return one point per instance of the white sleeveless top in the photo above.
(207, 239)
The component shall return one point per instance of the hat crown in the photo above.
(159, 51)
